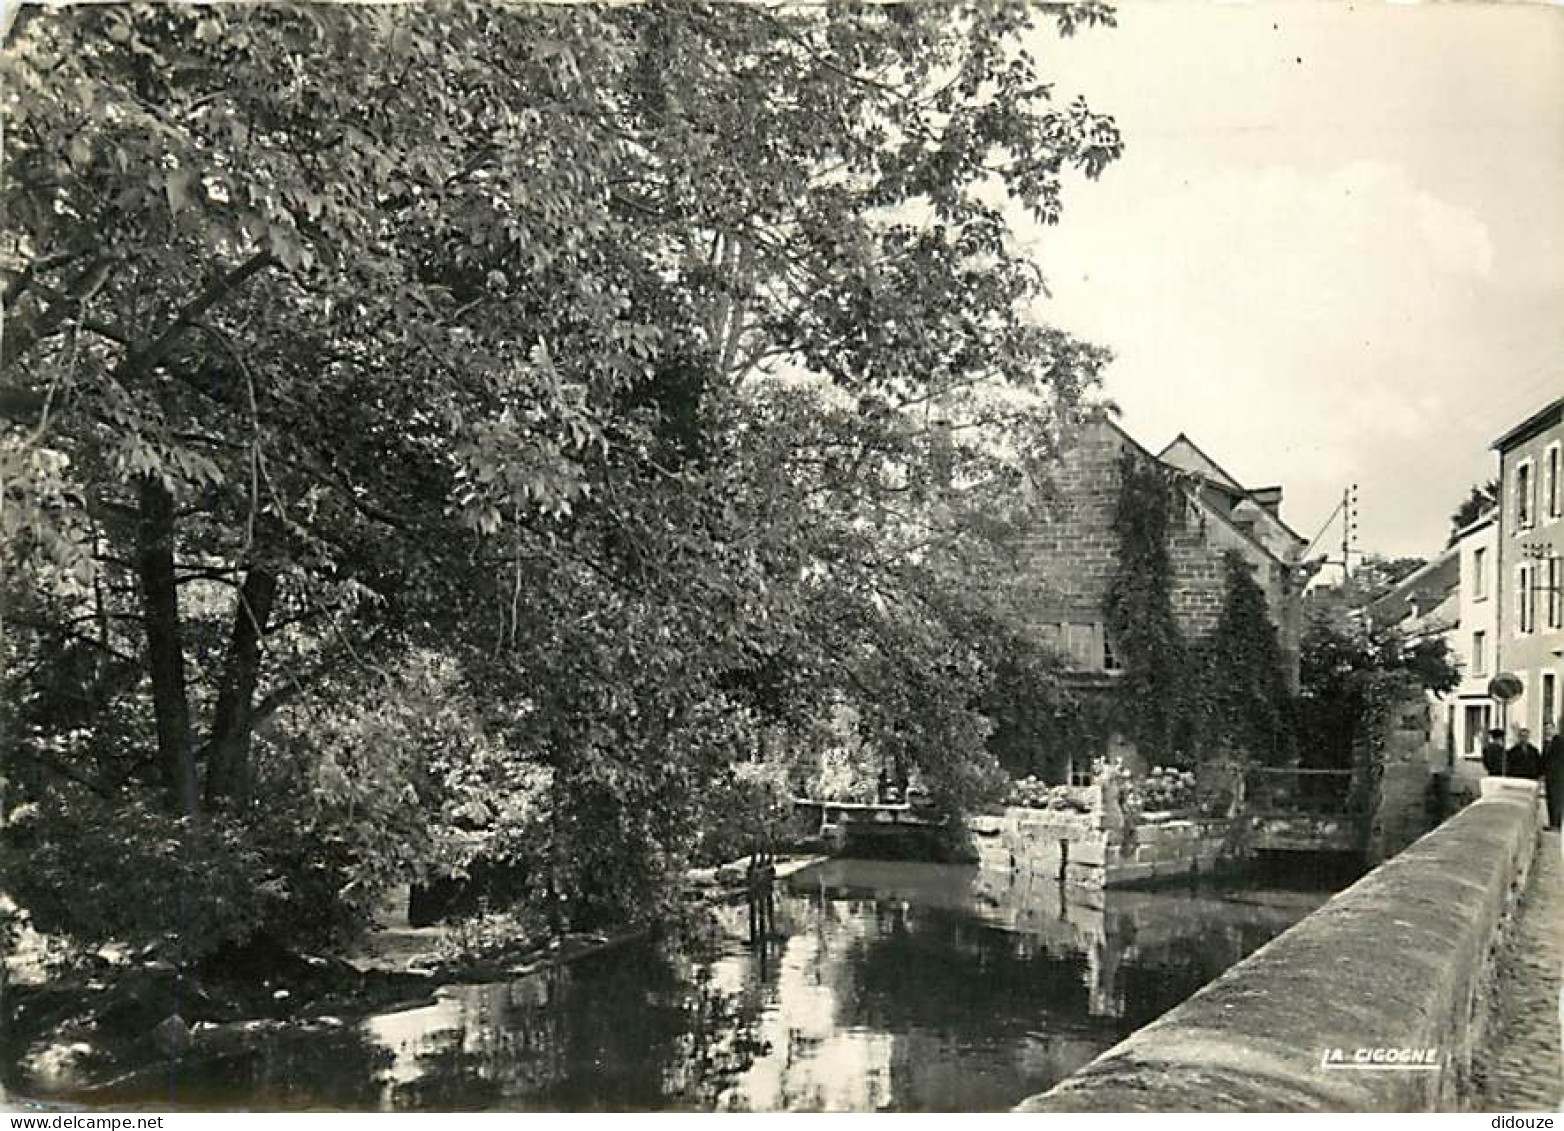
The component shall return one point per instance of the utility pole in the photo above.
(1349, 527)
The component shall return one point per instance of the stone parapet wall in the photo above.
(1401, 960)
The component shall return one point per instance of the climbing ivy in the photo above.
(1248, 712)
(1224, 698)
(1155, 689)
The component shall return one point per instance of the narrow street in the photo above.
(1522, 1069)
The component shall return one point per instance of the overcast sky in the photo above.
(1333, 250)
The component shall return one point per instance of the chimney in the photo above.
(1270, 498)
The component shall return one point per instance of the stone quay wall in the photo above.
(1402, 962)
(1097, 850)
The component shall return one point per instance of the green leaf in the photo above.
(177, 187)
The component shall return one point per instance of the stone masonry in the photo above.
(1521, 1065)
(1073, 552)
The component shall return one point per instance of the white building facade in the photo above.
(1475, 643)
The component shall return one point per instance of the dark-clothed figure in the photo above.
(1553, 775)
(762, 884)
(1493, 753)
(1524, 759)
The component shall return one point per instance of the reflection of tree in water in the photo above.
(933, 973)
(631, 1028)
(924, 967)
(300, 1068)
(932, 1006)
(272, 1069)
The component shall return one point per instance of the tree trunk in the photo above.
(228, 752)
(165, 651)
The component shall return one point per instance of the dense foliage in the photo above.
(1480, 498)
(1158, 685)
(1345, 667)
(1219, 698)
(453, 429)
(1244, 695)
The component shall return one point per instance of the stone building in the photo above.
(1071, 555)
(1530, 541)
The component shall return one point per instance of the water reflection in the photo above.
(885, 986)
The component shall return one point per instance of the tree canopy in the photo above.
(630, 380)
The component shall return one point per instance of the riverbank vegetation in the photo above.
(452, 434)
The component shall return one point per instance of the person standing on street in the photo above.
(1553, 773)
(1493, 753)
(1523, 760)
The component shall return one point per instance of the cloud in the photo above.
(1455, 235)
(1307, 325)
(1332, 248)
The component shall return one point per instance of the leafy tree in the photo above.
(1343, 663)
(1397, 570)
(1038, 722)
(1377, 575)
(632, 360)
(1481, 498)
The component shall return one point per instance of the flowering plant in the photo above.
(1031, 792)
(1167, 787)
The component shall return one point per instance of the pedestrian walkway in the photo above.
(1521, 1067)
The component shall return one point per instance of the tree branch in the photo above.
(24, 335)
(141, 360)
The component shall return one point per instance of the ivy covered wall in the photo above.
(1180, 598)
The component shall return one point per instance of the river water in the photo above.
(885, 986)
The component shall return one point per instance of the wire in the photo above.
(1324, 527)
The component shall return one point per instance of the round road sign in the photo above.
(1505, 687)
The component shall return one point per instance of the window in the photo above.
(1523, 508)
(1525, 601)
(1553, 594)
(1083, 646)
(1480, 573)
(1078, 645)
(1553, 482)
(1479, 653)
(1478, 716)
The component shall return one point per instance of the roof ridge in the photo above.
(1521, 428)
(1237, 484)
(1195, 497)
